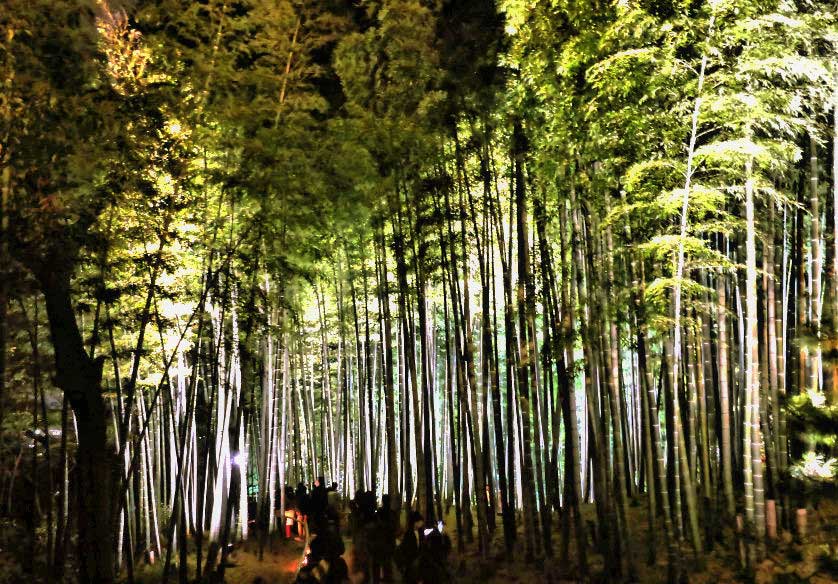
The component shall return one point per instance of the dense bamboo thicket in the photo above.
(518, 259)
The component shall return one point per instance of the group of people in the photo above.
(421, 556)
(318, 518)
(301, 507)
(420, 553)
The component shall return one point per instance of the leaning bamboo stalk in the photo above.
(679, 274)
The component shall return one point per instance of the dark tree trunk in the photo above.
(80, 377)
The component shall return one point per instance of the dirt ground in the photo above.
(277, 566)
(789, 560)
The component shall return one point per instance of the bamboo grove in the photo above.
(540, 263)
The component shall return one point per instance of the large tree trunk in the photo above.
(80, 377)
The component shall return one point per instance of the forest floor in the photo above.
(278, 564)
(789, 560)
(813, 560)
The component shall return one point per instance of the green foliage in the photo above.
(815, 420)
